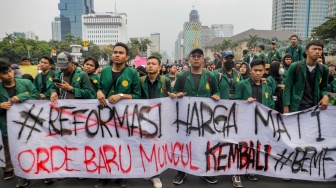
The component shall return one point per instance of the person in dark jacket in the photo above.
(275, 84)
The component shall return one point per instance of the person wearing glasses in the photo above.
(195, 82)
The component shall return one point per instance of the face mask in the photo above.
(39, 71)
(281, 71)
(229, 64)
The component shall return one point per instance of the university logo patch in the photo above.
(124, 83)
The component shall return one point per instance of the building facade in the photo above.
(299, 16)
(71, 12)
(19, 34)
(332, 8)
(206, 35)
(56, 29)
(105, 28)
(31, 35)
(155, 42)
(192, 36)
(222, 30)
(179, 53)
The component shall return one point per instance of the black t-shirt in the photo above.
(11, 91)
(197, 79)
(231, 84)
(152, 88)
(44, 85)
(256, 91)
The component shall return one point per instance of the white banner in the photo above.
(141, 138)
(2, 152)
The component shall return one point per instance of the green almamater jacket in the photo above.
(244, 91)
(248, 58)
(25, 90)
(294, 88)
(296, 52)
(160, 91)
(81, 84)
(262, 56)
(276, 55)
(94, 79)
(205, 89)
(49, 83)
(223, 86)
(127, 83)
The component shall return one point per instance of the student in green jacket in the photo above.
(12, 90)
(118, 82)
(295, 50)
(253, 89)
(286, 62)
(73, 83)
(90, 67)
(249, 58)
(154, 85)
(332, 79)
(274, 54)
(244, 55)
(308, 86)
(44, 80)
(227, 77)
(261, 51)
(276, 85)
(196, 82)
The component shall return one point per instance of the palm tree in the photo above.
(10, 38)
(70, 38)
(144, 45)
(234, 45)
(252, 41)
(226, 44)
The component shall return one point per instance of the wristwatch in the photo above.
(121, 96)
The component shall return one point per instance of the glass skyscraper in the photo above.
(71, 12)
(299, 16)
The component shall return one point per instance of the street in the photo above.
(167, 181)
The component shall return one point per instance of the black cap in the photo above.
(197, 50)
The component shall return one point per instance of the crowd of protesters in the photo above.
(297, 81)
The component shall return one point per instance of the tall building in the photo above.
(179, 54)
(56, 29)
(206, 35)
(194, 16)
(71, 12)
(155, 42)
(192, 33)
(299, 16)
(332, 8)
(222, 30)
(19, 35)
(31, 35)
(105, 28)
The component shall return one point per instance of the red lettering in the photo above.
(90, 161)
(33, 162)
(192, 167)
(41, 163)
(109, 148)
(68, 159)
(130, 159)
(52, 150)
(149, 159)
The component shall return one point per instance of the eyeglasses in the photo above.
(194, 56)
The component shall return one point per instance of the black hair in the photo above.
(122, 45)
(94, 61)
(141, 70)
(245, 51)
(28, 77)
(294, 36)
(4, 66)
(274, 70)
(51, 61)
(247, 74)
(154, 57)
(256, 62)
(262, 47)
(314, 43)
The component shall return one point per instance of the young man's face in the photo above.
(259, 49)
(119, 55)
(173, 69)
(314, 52)
(293, 41)
(44, 64)
(288, 61)
(7, 76)
(273, 46)
(89, 67)
(152, 66)
(257, 72)
(69, 69)
(196, 60)
(252, 51)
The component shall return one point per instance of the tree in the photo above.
(252, 41)
(10, 38)
(326, 30)
(157, 54)
(144, 42)
(226, 44)
(70, 38)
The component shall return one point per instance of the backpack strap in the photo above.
(164, 83)
(142, 79)
(297, 70)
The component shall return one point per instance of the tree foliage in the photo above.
(326, 30)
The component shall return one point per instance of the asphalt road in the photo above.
(167, 181)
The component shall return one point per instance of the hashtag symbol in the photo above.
(282, 160)
(30, 116)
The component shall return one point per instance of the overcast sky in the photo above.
(144, 16)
